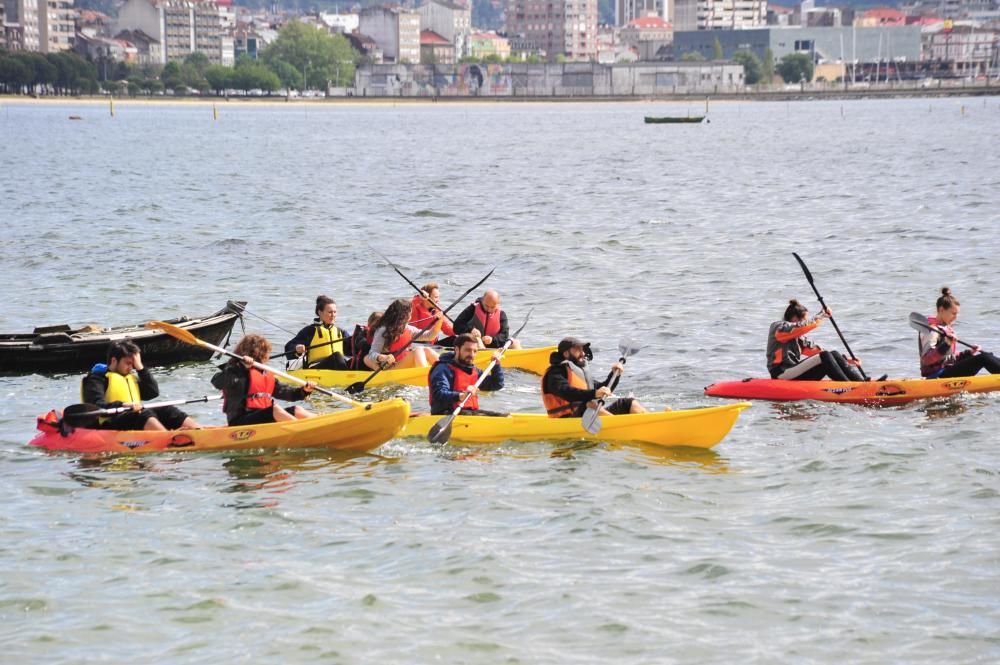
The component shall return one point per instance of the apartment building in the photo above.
(562, 27)
(395, 30)
(450, 20)
(181, 27)
(23, 14)
(629, 10)
(56, 25)
(719, 14)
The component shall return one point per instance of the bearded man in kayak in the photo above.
(249, 393)
(453, 378)
(486, 321)
(321, 342)
(426, 305)
(114, 384)
(938, 353)
(568, 387)
(791, 356)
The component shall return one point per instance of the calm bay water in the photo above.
(813, 533)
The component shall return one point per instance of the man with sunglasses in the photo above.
(568, 387)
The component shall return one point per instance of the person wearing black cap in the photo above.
(568, 386)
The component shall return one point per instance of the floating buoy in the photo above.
(75, 117)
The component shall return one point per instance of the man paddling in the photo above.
(568, 387)
(426, 305)
(453, 378)
(486, 321)
(115, 384)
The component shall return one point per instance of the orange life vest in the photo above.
(396, 347)
(556, 406)
(460, 382)
(260, 389)
(489, 324)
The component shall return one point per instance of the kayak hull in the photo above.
(875, 393)
(534, 360)
(696, 428)
(359, 429)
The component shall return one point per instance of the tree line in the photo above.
(301, 57)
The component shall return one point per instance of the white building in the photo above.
(628, 10)
(719, 14)
(24, 13)
(345, 23)
(451, 21)
(395, 30)
(181, 26)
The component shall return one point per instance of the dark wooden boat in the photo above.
(667, 119)
(63, 349)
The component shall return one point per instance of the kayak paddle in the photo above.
(79, 414)
(188, 337)
(592, 416)
(359, 386)
(823, 305)
(919, 322)
(400, 273)
(440, 432)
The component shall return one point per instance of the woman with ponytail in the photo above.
(938, 357)
(790, 355)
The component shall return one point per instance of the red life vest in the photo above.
(396, 347)
(422, 317)
(489, 324)
(460, 382)
(556, 406)
(260, 389)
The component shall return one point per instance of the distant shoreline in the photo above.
(769, 95)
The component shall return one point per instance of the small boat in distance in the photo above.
(672, 119)
(65, 349)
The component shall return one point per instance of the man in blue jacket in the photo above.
(453, 378)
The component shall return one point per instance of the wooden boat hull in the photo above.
(696, 428)
(357, 429)
(875, 393)
(60, 349)
(535, 360)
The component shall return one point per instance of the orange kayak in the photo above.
(876, 393)
(357, 429)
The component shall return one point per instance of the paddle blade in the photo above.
(175, 332)
(919, 322)
(441, 431)
(81, 415)
(628, 347)
(356, 388)
(591, 420)
(802, 264)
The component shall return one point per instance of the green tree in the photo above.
(219, 77)
(315, 54)
(692, 56)
(287, 74)
(14, 74)
(250, 75)
(716, 49)
(172, 75)
(796, 67)
(198, 60)
(751, 66)
(767, 67)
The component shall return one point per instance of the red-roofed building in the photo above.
(435, 49)
(647, 29)
(880, 17)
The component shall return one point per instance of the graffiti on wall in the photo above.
(467, 80)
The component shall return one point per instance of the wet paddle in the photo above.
(823, 305)
(185, 336)
(80, 414)
(407, 279)
(919, 322)
(359, 386)
(592, 416)
(441, 430)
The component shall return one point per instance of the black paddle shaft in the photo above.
(823, 305)
(407, 279)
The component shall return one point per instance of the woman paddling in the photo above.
(938, 357)
(391, 341)
(791, 356)
(321, 342)
(249, 392)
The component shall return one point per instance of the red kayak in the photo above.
(891, 391)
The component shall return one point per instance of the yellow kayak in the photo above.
(534, 360)
(357, 429)
(696, 428)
